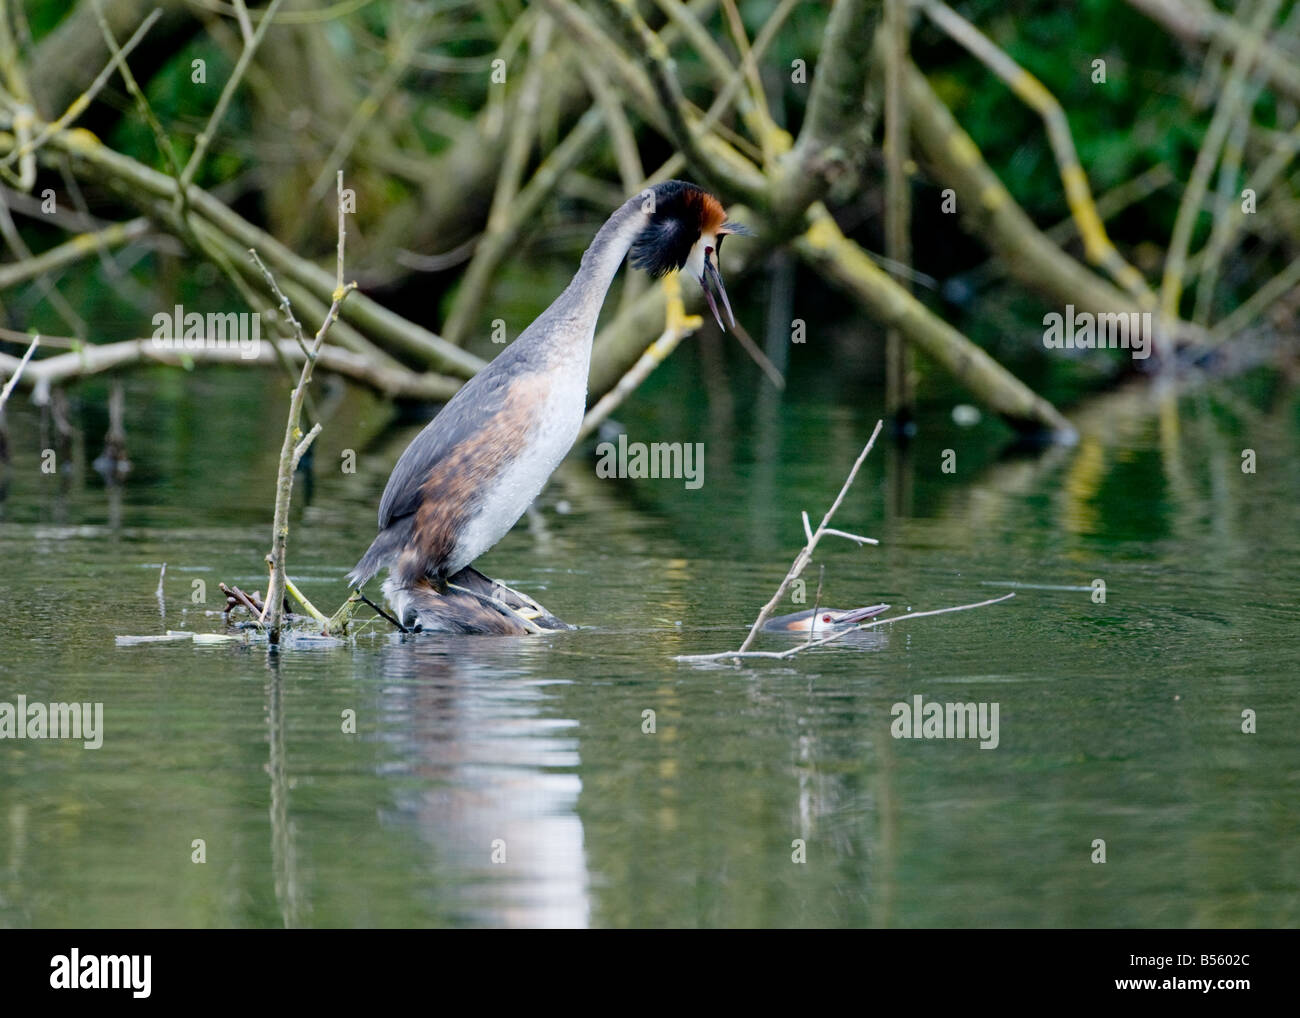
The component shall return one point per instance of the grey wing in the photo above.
(465, 415)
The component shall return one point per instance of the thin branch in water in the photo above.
(781, 655)
(294, 445)
(858, 538)
(400, 628)
(301, 598)
(805, 555)
(235, 596)
(13, 379)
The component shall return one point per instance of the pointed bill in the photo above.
(857, 615)
(711, 281)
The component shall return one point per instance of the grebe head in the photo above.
(686, 230)
(824, 620)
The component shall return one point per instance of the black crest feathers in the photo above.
(681, 213)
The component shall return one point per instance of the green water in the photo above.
(1119, 721)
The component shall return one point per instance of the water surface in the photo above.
(1119, 721)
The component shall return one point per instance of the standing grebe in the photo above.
(472, 472)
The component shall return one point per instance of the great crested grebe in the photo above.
(472, 472)
(823, 621)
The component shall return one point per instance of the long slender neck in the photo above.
(570, 322)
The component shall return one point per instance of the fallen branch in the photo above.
(397, 383)
(991, 213)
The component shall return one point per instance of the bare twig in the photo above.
(237, 596)
(806, 553)
(142, 104)
(857, 538)
(504, 220)
(1229, 106)
(71, 251)
(209, 131)
(295, 444)
(13, 379)
(79, 104)
(283, 301)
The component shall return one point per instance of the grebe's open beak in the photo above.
(710, 281)
(857, 615)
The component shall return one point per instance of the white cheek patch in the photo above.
(695, 260)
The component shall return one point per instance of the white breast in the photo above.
(515, 487)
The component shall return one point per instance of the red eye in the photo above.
(826, 618)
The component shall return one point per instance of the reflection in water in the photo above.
(498, 791)
(284, 857)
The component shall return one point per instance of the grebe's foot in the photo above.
(530, 614)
